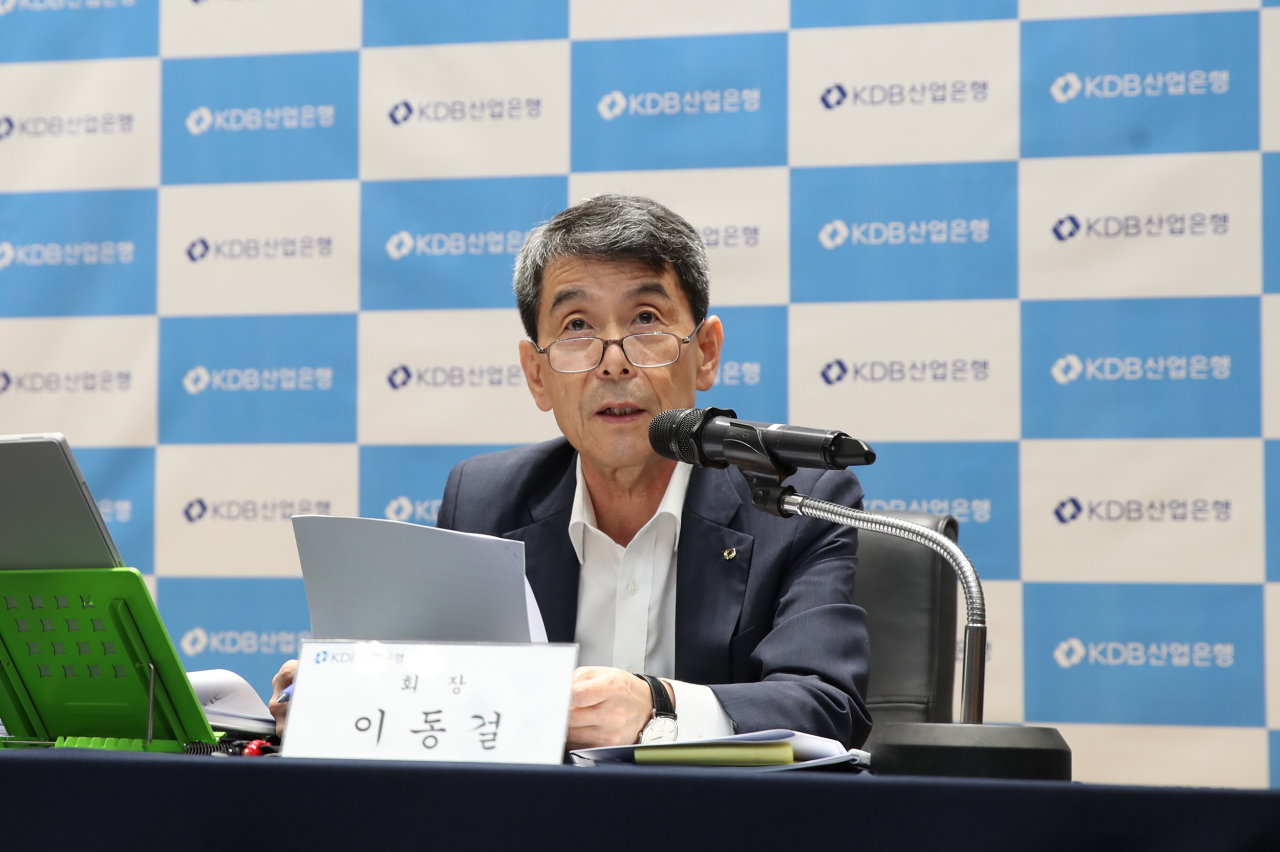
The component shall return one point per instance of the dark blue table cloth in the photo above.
(72, 798)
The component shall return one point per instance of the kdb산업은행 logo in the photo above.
(477, 376)
(963, 509)
(1132, 368)
(853, 95)
(837, 232)
(199, 509)
(66, 382)
(198, 640)
(1073, 651)
(1154, 84)
(1153, 510)
(259, 248)
(89, 125)
(487, 109)
(1147, 226)
(404, 508)
(203, 119)
(106, 252)
(251, 379)
(616, 104)
(926, 370)
(402, 244)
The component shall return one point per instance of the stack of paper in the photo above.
(230, 703)
(773, 749)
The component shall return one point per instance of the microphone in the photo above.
(714, 437)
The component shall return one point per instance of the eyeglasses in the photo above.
(584, 354)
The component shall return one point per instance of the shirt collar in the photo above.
(583, 514)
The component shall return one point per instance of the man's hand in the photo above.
(280, 710)
(609, 707)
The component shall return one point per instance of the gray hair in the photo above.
(613, 227)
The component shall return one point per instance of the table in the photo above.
(95, 800)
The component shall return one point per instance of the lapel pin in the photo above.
(730, 552)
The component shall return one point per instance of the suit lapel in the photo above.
(710, 586)
(549, 559)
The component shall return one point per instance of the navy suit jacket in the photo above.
(772, 630)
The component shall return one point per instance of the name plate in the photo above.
(441, 701)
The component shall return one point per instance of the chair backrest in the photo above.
(909, 594)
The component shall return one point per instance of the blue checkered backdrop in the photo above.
(255, 260)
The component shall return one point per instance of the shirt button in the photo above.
(632, 588)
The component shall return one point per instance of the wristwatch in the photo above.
(662, 727)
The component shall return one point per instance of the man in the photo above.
(673, 586)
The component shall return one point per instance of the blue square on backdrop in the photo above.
(249, 626)
(753, 365)
(407, 483)
(1271, 222)
(274, 379)
(393, 22)
(680, 103)
(1272, 503)
(449, 243)
(841, 13)
(1144, 654)
(260, 118)
(887, 233)
(1273, 737)
(1142, 368)
(78, 31)
(123, 482)
(78, 253)
(1145, 85)
(975, 482)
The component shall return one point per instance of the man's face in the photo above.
(605, 412)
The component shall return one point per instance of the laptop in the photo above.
(48, 518)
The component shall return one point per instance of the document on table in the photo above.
(230, 703)
(368, 578)
(760, 750)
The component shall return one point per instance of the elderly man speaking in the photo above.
(696, 615)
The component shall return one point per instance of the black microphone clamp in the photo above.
(766, 453)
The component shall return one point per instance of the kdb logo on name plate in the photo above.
(1071, 367)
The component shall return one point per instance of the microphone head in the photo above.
(671, 434)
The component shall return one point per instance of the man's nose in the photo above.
(614, 362)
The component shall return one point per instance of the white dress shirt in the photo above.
(627, 602)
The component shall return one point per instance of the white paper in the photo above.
(488, 703)
(806, 747)
(374, 579)
(230, 702)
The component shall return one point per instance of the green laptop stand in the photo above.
(85, 661)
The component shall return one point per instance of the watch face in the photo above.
(661, 730)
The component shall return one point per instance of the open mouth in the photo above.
(619, 411)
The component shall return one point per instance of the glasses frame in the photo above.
(546, 350)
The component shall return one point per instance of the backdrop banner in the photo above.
(256, 255)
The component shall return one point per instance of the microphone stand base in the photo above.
(969, 751)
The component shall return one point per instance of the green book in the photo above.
(717, 754)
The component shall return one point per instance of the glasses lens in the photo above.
(575, 355)
(652, 350)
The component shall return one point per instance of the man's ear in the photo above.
(710, 341)
(533, 367)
